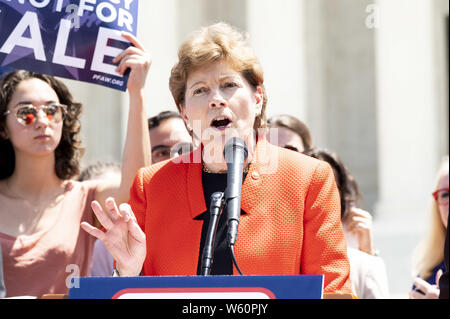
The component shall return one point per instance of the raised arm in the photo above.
(137, 150)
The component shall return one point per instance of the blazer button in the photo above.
(255, 175)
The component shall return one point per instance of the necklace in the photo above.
(207, 170)
(38, 208)
(47, 203)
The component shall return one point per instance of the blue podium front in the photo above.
(198, 287)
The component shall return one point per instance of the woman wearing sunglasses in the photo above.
(429, 255)
(41, 207)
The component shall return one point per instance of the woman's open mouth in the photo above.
(221, 123)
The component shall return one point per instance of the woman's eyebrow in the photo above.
(29, 102)
(196, 83)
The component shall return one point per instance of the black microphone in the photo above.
(215, 211)
(235, 153)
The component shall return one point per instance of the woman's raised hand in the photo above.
(123, 237)
(135, 58)
(359, 222)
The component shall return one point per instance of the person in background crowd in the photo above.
(101, 170)
(217, 85)
(367, 270)
(291, 133)
(428, 257)
(443, 281)
(169, 136)
(41, 206)
(102, 261)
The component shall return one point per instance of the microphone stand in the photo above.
(216, 208)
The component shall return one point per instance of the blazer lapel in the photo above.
(196, 199)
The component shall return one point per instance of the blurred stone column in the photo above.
(338, 85)
(408, 107)
(412, 108)
(101, 120)
(158, 30)
(276, 34)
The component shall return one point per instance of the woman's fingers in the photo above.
(97, 233)
(135, 48)
(124, 212)
(126, 52)
(438, 275)
(102, 217)
(132, 61)
(429, 291)
(358, 219)
(133, 40)
(126, 63)
(133, 227)
(416, 295)
(357, 212)
(111, 206)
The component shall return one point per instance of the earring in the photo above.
(3, 134)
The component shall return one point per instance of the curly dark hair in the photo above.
(67, 153)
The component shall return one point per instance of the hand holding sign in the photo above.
(136, 59)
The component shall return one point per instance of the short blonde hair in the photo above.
(216, 43)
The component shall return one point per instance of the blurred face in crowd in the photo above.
(443, 194)
(219, 100)
(170, 134)
(37, 133)
(286, 138)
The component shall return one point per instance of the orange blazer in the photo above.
(291, 226)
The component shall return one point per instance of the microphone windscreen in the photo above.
(232, 145)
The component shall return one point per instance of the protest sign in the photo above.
(4, 70)
(74, 39)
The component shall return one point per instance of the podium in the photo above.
(199, 287)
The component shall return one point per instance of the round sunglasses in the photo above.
(27, 114)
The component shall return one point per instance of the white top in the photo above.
(367, 275)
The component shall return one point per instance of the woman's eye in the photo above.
(230, 85)
(199, 91)
(165, 153)
(51, 109)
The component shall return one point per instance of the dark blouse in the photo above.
(222, 262)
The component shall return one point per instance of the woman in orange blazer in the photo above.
(290, 215)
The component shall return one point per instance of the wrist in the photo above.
(125, 273)
(136, 93)
(115, 273)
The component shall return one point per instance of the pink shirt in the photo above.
(41, 263)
